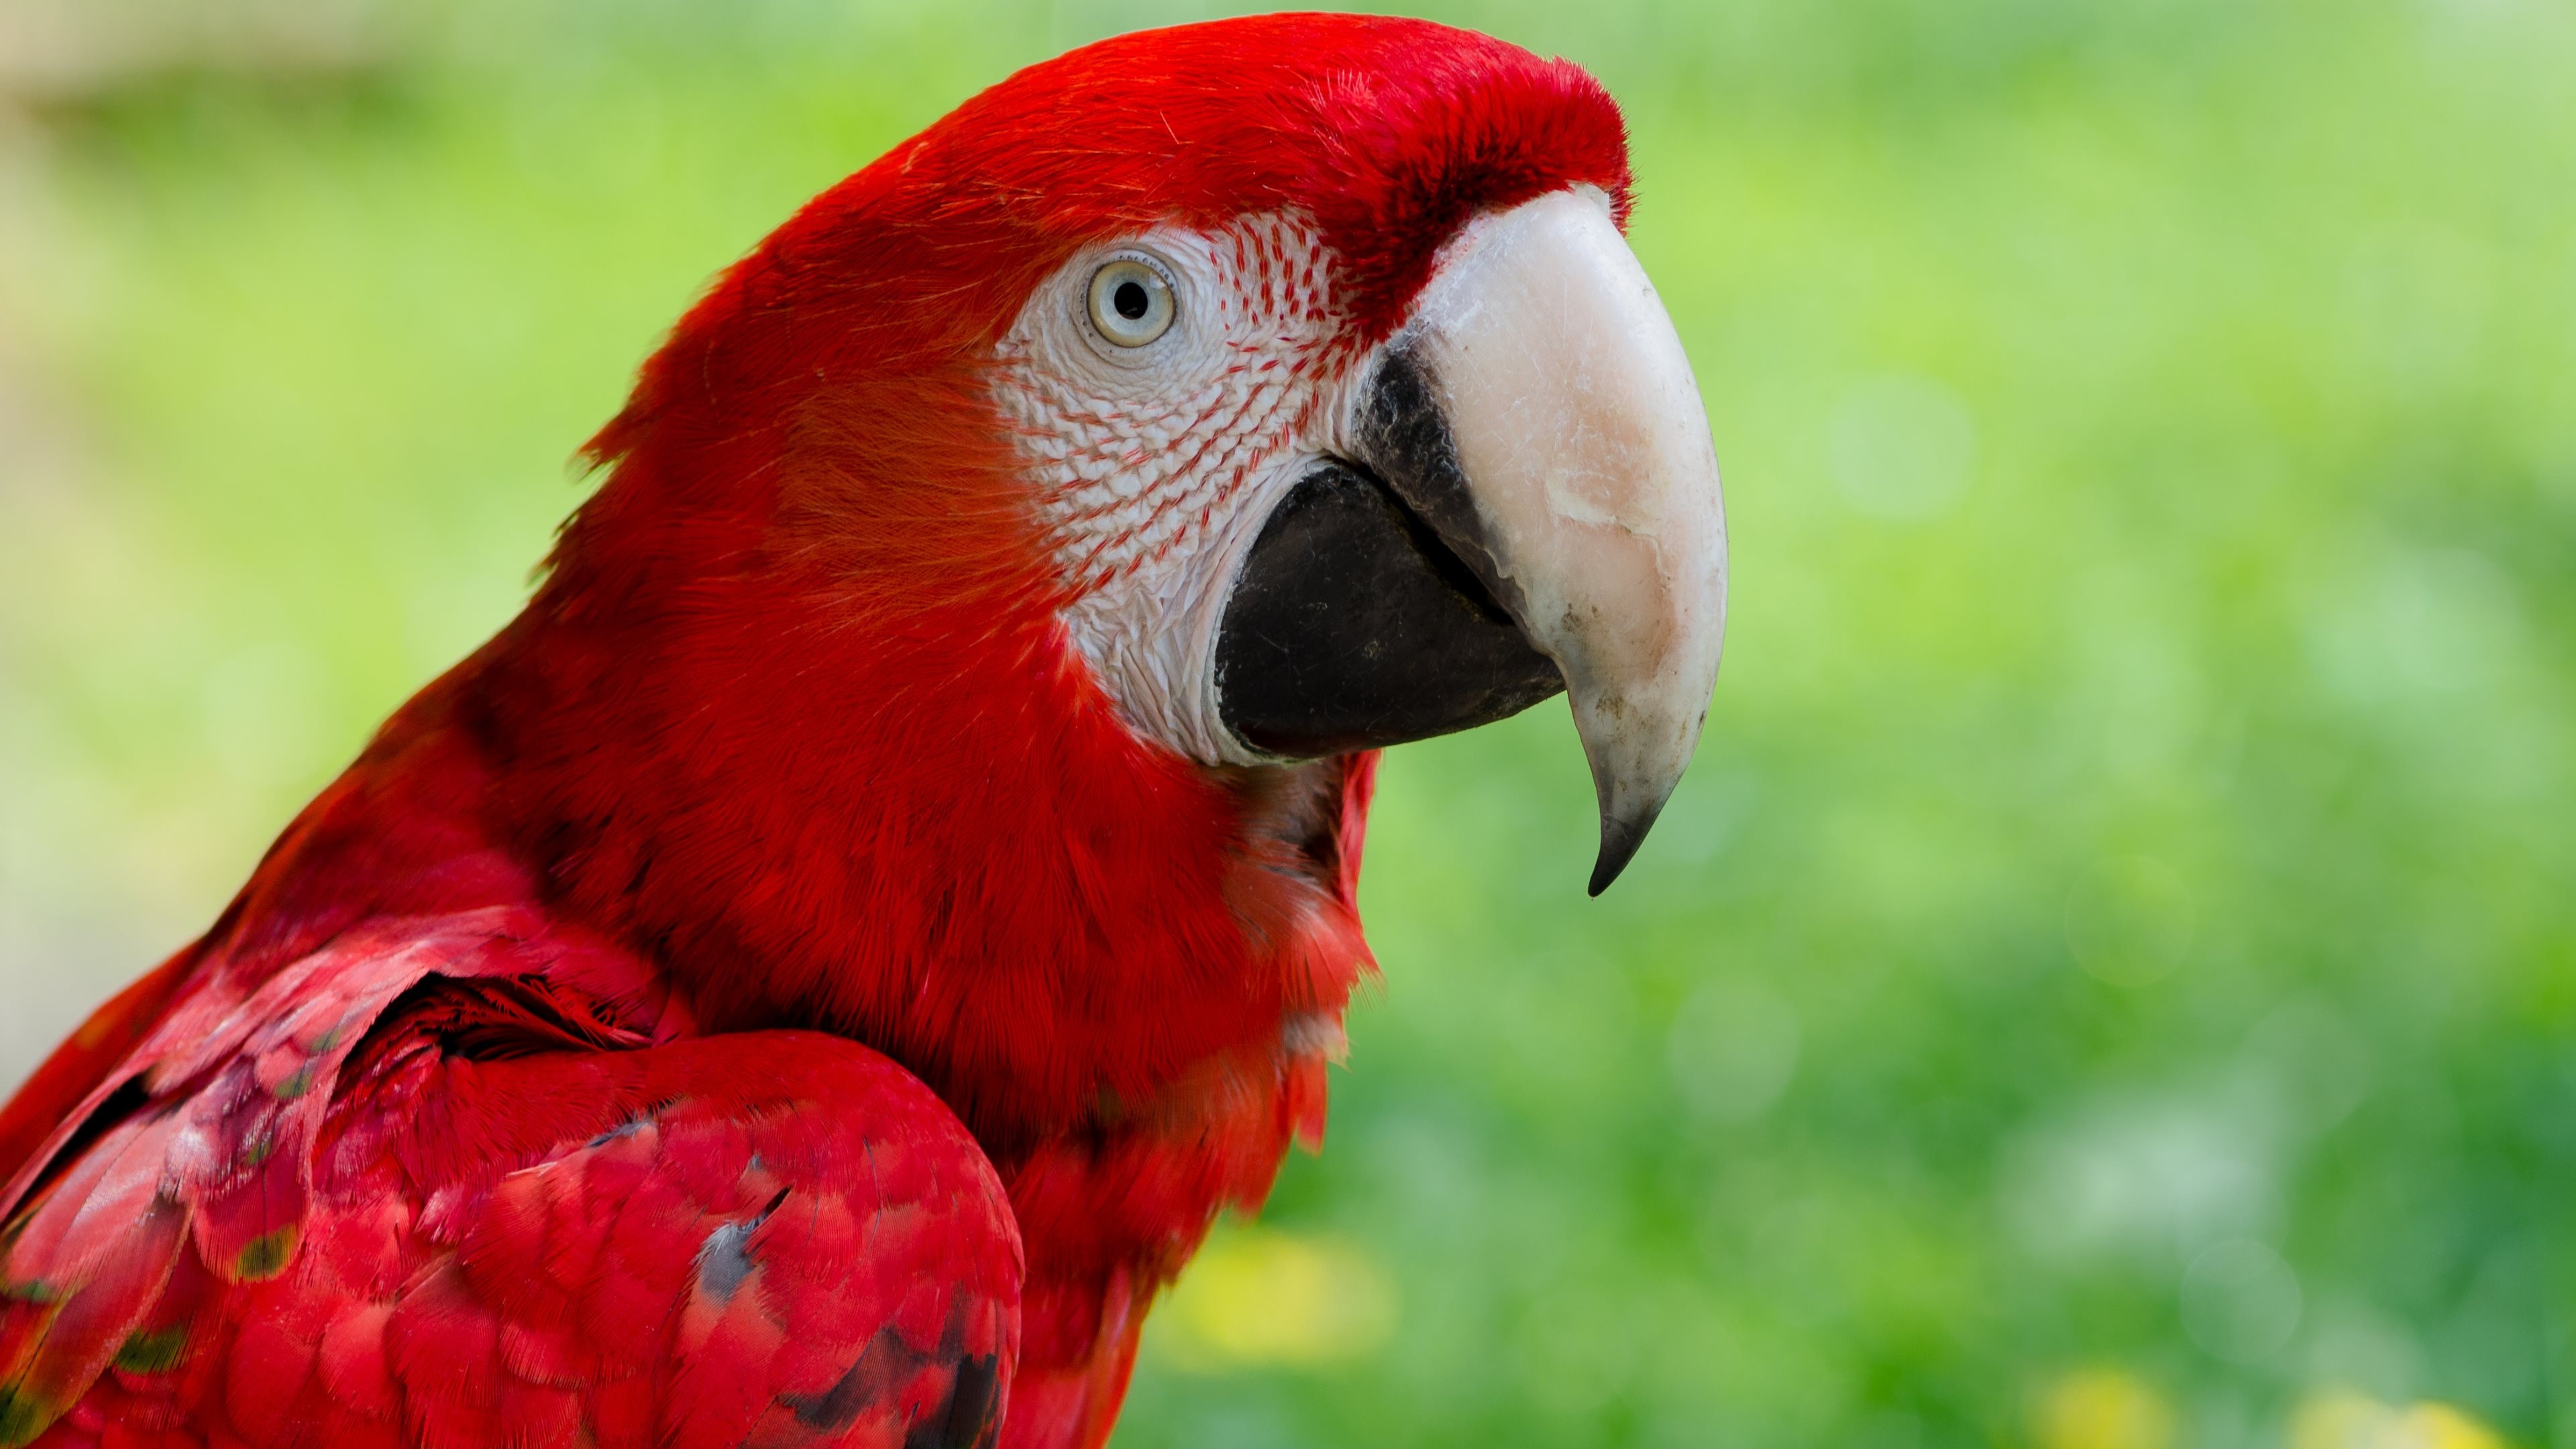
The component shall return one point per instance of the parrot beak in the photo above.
(1533, 504)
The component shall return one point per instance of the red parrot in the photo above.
(819, 970)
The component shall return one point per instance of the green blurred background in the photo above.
(2109, 981)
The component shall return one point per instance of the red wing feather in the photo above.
(465, 1224)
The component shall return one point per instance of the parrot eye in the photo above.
(1131, 302)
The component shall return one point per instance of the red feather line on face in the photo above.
(790, 737)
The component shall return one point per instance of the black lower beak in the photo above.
(1351, 626)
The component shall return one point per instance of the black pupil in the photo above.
(1130, 300)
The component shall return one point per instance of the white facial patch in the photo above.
(1156, 465)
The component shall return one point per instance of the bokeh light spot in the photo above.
(2240, 1301)
(1258, 1297)
(2101, 1408)
(2341, 1419)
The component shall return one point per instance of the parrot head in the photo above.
(1002, 576)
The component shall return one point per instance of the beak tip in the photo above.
(1620, 837)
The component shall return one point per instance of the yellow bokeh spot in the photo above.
(2102, 1408)
(2441, 1426)
(2341, 1419)
(1255, 1296)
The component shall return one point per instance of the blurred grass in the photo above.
(2110, 979)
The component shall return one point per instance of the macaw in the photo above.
(815, 974)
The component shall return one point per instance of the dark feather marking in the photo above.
(968, 1421)
(153, 1350)
(882, 1368)
(625, 1129)
(22, 1415)
(725, 1259)
(267, 1255)
(130, 1097)
(492, 1019)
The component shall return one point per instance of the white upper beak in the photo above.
(1596, 513)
